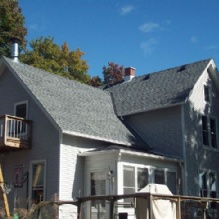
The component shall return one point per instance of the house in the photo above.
(65, 139)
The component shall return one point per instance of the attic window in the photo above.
(207, 93)
(182, 68)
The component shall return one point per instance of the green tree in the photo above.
(47, 55)
(11, 26)
(112, 73)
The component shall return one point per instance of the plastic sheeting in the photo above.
(161, 209)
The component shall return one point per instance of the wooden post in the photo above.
(150, 205)
(4, 196)
(111, 208)
(178, 208)
(79, 210)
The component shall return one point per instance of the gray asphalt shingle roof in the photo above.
(75, 107)
(156, 90)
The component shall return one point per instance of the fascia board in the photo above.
(212, 67)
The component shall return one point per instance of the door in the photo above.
(98, 187)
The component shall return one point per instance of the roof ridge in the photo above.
(172, 68)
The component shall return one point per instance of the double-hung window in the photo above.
(209, 131)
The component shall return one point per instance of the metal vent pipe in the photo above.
(15, 49)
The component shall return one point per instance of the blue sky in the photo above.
(149, 35)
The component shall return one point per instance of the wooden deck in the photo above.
(15, 133)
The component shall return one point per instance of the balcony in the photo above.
(15, 133)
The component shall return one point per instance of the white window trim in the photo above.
(209, 132)
(150, 173)
(19, 103)
(33, 162)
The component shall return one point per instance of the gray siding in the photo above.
(45, 140)
(161, 129)
(199, 157)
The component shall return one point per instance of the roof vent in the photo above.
(182, 68)
(14, 49)
(129, 73)
(146, 77)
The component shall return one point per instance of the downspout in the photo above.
(184, 167)
(117, 177)
(60, 161)
(117, 171)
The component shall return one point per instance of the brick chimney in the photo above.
(14, 49)
(129, 73)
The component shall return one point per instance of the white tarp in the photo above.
(161, 209)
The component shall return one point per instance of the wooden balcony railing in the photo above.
(15, 132)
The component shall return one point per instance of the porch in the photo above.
(15, 133)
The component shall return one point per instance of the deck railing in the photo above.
(15, 131)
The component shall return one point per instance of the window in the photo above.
(209, 131)
(142, 177)
(205, 135)
(129, 179)
(20, 109)
(98, 183)
(136, 178)
(159, 177)
(38, 182)
(207, 93)
(213, 133)
(207, 185)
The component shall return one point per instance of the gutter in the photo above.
(78, 134)
(125, 152)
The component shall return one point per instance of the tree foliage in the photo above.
(47, 55)
(95, 81)
(11, 26)
(113, 73)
